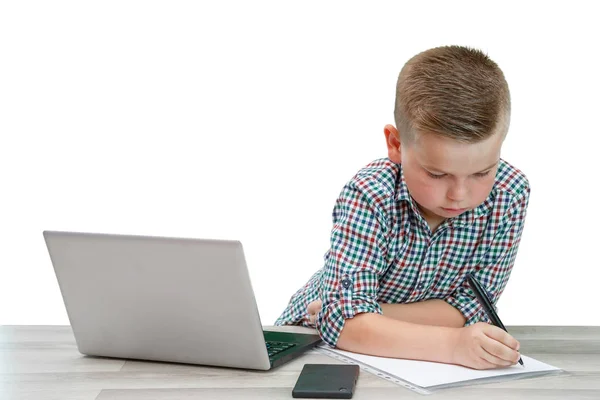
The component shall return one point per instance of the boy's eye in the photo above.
(434, 176)
(478, 175)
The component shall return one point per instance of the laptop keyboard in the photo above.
(277, 347)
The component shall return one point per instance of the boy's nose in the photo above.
(457, 194)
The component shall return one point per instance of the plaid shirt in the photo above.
(382, 250)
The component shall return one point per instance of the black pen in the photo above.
(487, 305)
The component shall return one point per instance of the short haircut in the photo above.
(452, 91)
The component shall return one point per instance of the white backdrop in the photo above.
(243, 120)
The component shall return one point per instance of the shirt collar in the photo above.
(402, 192)
(469, 217)
(465, 219)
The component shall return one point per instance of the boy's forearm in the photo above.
(429, 312)
(378, 335)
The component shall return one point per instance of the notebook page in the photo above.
(429, 374)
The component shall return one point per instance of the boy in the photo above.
(410, 227)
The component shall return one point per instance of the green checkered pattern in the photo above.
(382, 250)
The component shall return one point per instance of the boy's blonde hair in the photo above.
(452, 91)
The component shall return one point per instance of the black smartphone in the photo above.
(326, 381)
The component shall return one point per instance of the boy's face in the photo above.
(443, 176)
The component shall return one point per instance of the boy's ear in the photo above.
(392, 139)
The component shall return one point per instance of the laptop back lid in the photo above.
(158, 298)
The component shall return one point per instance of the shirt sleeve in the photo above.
(496, 265)
(354, 263)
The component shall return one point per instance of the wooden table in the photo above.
(42, 363)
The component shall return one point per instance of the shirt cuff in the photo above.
(470, 309)
(341, 305)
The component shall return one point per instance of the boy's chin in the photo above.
(449, 213)
(440, 212)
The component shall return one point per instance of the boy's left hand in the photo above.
(313, 309)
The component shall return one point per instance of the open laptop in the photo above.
(165, 299)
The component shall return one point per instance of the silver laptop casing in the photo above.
(156, 298)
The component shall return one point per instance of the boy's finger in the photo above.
(503, 337)
(314, 307)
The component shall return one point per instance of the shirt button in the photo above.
(420, 286)
(346, 283)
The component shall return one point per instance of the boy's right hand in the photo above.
(485, 346)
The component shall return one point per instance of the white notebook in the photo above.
(425, 377)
